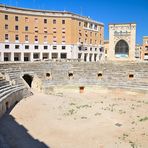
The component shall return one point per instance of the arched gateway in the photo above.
(28, 79)
(121, 49)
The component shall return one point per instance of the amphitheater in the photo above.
(74, 104)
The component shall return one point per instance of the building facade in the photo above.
(122, 41)
(138, 51)
(29, 35)
(144, 51)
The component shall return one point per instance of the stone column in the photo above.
(12, 56)
(22, 57)
(2, 56)
(31, 56)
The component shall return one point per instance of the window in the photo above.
(36, 20)
(45, 21)
(26, 19)
(54, 55)
(45, 30)
(17, 46)
(6, 26)
(91, 26)
(26, 28)
(6, 17)
(90, 49)
(16, 37)
(85, 24)
(63, 47)
(63, 21)
(45, 39)
(54, 30)
(54, 39)
(36, 39)
(90, 41)
(79, 23)
(35, 55)
(95, 27)
(26, 38)
(54, 47)
(45, 47)
(6, 46)
(16, 18)
(90, 33)
(16, 28)
(6, 37)
(63, 30)
(63, 55)
(36, 47)
(54, 21)
(36, 29)
(26, 46)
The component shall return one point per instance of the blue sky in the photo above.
(106, 11)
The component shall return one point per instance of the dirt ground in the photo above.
(101, 119)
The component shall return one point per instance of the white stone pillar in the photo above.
(2, 56)
(31, 56)
(41, 56)
(22, 57)
(87, 59)
(12, 56)
(92, 57)
(82, 57)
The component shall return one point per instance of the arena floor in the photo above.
(102, 119)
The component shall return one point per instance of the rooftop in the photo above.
(46, 13)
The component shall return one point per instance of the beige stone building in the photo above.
(144, 51)
(106, 48)
(122, 41)
(138, 51)
(29, 35)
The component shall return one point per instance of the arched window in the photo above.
(121, 49)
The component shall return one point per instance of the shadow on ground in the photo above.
(14, 135)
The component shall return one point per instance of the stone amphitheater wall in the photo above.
(9, 101)
(59, 76)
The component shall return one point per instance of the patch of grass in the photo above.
(83, 117)
(71, 112)
(83, 106)
(72, 104)
(133, 145)
(143, 119)
(97, 114)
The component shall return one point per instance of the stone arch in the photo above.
(28, 78)
(122, 49)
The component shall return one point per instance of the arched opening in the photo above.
(122, 49)
(70, 75)
(48, 75)
(7, 106)
(28, 79)
(131, 76)
(81, 88)
(100, 75)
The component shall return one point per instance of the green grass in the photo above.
(143, 119)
